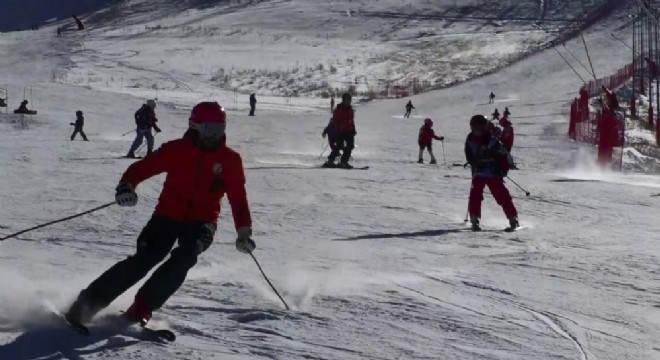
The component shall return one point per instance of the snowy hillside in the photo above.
(311, 48)
(376, 264)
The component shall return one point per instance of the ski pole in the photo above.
(527, 193)
(124, 134)
(269, 283)
(467, 215)
(325, 146)
(444, 157)
(57, 221)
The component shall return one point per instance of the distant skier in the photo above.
(78, 126)
(332, 104)
(425, 140)
(253, 103)
(200, 169)
(23, 109)
(145, 119)
(490, 163)
(343, 122)
(329, 131)
(491, 98)
(506, 113)
(409, 109)
(496, 114)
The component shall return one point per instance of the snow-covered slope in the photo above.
(376, 264)
(309, 48)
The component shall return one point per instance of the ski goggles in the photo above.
(209, 130)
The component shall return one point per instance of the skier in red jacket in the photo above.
(425, 140)
(200, 169)
(343, 122)
(507, 135)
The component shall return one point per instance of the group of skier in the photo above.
(487, 151)
(200, 169)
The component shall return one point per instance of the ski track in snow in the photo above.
(375, 264)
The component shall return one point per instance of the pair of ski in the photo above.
(151, 334)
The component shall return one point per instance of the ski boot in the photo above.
(329, 164)
(81, 311)
(139, 312)
(130, 155)
(513, 223)
(475, 224)
(345, 165)
(433, 162)
(420, 161)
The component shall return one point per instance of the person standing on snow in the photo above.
(425, 140)
(496, 115)
(409, 109)
(491, 98)
(343, 122)
(253, 104)
(78, 126)
(332, 137)
(145, 119)
(332, 104)
(200, 169)
(490, 164)
(507, 135)
(506, 113)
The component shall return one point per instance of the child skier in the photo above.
(425, 140)
(409, 109)
(78, 126)
(507, 135)
(496, 115)
(490, 164)
(200, 169)
(332, 137)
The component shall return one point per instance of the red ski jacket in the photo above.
(195, 183)
(426, 136)
(507, 137)
(343, 119)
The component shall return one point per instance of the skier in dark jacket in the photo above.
(23, 109)
(409, 109)
(253, 103)
(491, 98)
(496, 115)
(200, 169)
(145, 119)
(78, 126)
(329, 131)
(343, 122)
(490, 163)
(506, 113)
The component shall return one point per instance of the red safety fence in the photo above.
(594, 87)
(604, 128)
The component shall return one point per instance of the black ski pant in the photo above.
(153, 244)
(345, 144)
(252, 109)
(80, 131)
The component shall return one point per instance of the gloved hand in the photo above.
(72, 124)
(157, 129)
(244, 242)
(125, 195)
(442, 138)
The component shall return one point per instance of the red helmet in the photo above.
(428, 122)
(209, 120)
(207, 112)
